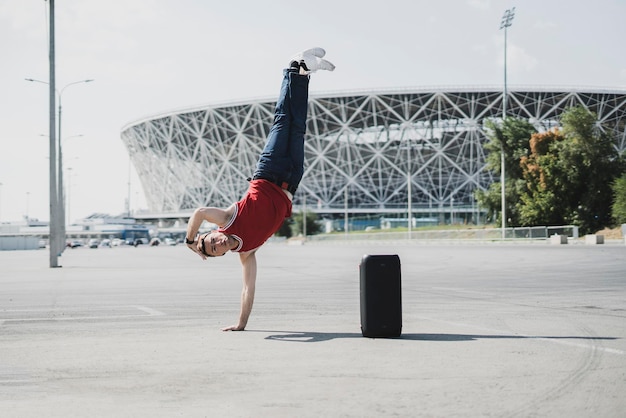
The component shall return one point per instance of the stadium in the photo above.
(369, 155)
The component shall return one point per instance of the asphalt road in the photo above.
(488, 330)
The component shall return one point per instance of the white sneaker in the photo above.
(316, 52)
(311, 60)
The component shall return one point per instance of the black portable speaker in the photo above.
(381, 296)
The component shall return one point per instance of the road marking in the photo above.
(149, 312)
(460, 290)
(555, 340)
(573, 344)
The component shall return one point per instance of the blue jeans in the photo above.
(282, 159)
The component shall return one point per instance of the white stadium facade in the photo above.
(369, 154)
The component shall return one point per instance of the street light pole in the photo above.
(60, 212)
(408, 187)
(345, 206)
(54, 196)
(61, 188)
(69, 188)
(27, 216)
(128, 199)
(507, 21)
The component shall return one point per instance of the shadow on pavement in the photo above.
(311, 337)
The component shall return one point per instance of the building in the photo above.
(32, 233)
(369, 154)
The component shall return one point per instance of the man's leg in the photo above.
(299, 99)
(284, 150)
(282, 159)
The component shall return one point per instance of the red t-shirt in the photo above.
(258, 215)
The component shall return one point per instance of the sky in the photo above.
(148, 57)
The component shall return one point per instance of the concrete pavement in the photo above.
(489, 330)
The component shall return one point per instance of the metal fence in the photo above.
(475, 234)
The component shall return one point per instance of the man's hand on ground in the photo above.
(234, 328)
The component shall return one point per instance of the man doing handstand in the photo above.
(247, 224)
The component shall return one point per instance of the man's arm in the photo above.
(210, 214)
(248, 267)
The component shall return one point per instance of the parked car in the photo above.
(137, 241)
(93, 243)
(75, 243)
(105, 243)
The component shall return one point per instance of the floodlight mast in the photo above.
(507, 21)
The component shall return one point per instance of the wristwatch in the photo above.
(189, 241)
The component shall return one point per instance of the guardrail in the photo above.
(486, 234)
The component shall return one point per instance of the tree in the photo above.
(568, 175)
(312, 226)
(285, 229)
(539, 202)
(619, 200)
(511, 135)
